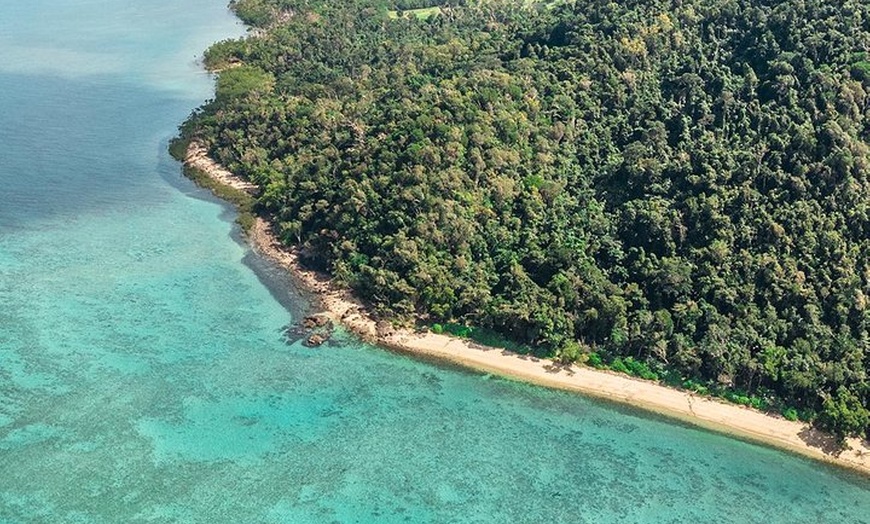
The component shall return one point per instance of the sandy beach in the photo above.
(705, 412)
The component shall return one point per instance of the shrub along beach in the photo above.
(678, 193)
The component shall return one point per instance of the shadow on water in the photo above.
(283, 287)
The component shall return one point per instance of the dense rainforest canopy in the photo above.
(685, 183)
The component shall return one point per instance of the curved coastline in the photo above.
(738, 421)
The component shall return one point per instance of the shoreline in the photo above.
(708, 413)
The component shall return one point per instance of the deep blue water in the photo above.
(143, 374)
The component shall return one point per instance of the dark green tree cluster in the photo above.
(680, 182)
(403, 5)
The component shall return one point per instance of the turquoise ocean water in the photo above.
(143, 375)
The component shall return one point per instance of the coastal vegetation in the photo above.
(675, 190)
(244, 203)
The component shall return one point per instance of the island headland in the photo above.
(706, 412)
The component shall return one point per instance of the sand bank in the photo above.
(709, 413)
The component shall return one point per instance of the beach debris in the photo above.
(384, 329)
(316, 340)
(313, 330)
(316, 321)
